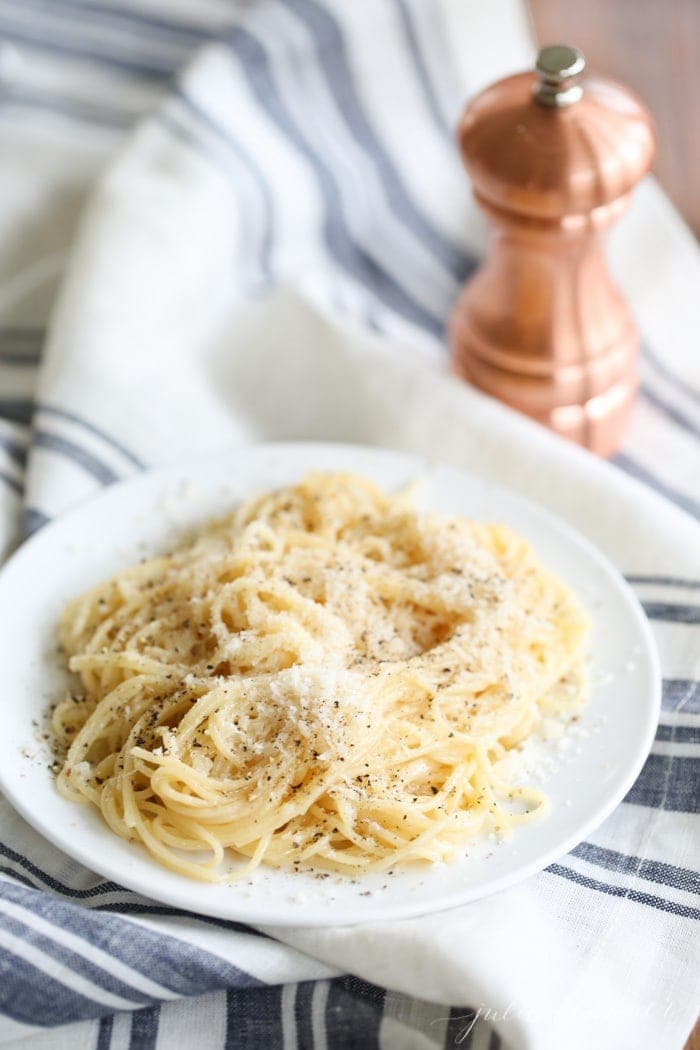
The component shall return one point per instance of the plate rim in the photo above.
(259, 914)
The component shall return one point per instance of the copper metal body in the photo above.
(541, 324)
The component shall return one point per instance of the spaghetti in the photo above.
(327, 677)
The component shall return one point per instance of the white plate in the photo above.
(142, 516)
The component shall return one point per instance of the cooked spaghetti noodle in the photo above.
(327, 677)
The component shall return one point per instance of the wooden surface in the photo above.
(694, 1041)
(654, 47)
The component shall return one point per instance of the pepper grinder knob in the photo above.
(553, 158)
(558, 68)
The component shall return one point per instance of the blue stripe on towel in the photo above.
(331, 53)
(351, 255)
(302, 1013)
(664, 581)
(144, 1028)
(681, 693)
(127, 906)
(244, 157)
(647, 477)
(127, 900)
(641, 868)
(12, 483)
(73, 452)
(679, 734)
(104, 1034)
(92, 428)
(178, 966)
(462, 1026)
(667, 782)
(671, 411)
(184, 30)
(29, 995)
(34, 519)
(16, 410)
(71, 959)
(21, 346)
(253, 1019)
(105, 116)
(648, 899)
(14, 450)
(125, 62)
(671, 612)
(354, 1010)
(420, 65)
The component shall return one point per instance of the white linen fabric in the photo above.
(272, 253)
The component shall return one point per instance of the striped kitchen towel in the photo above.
(275, 228)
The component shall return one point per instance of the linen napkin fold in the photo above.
(308, 150)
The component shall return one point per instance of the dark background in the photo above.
(654, 47)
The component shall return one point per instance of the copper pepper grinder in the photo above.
(541, 325)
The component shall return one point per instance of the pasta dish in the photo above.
(327, 677)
